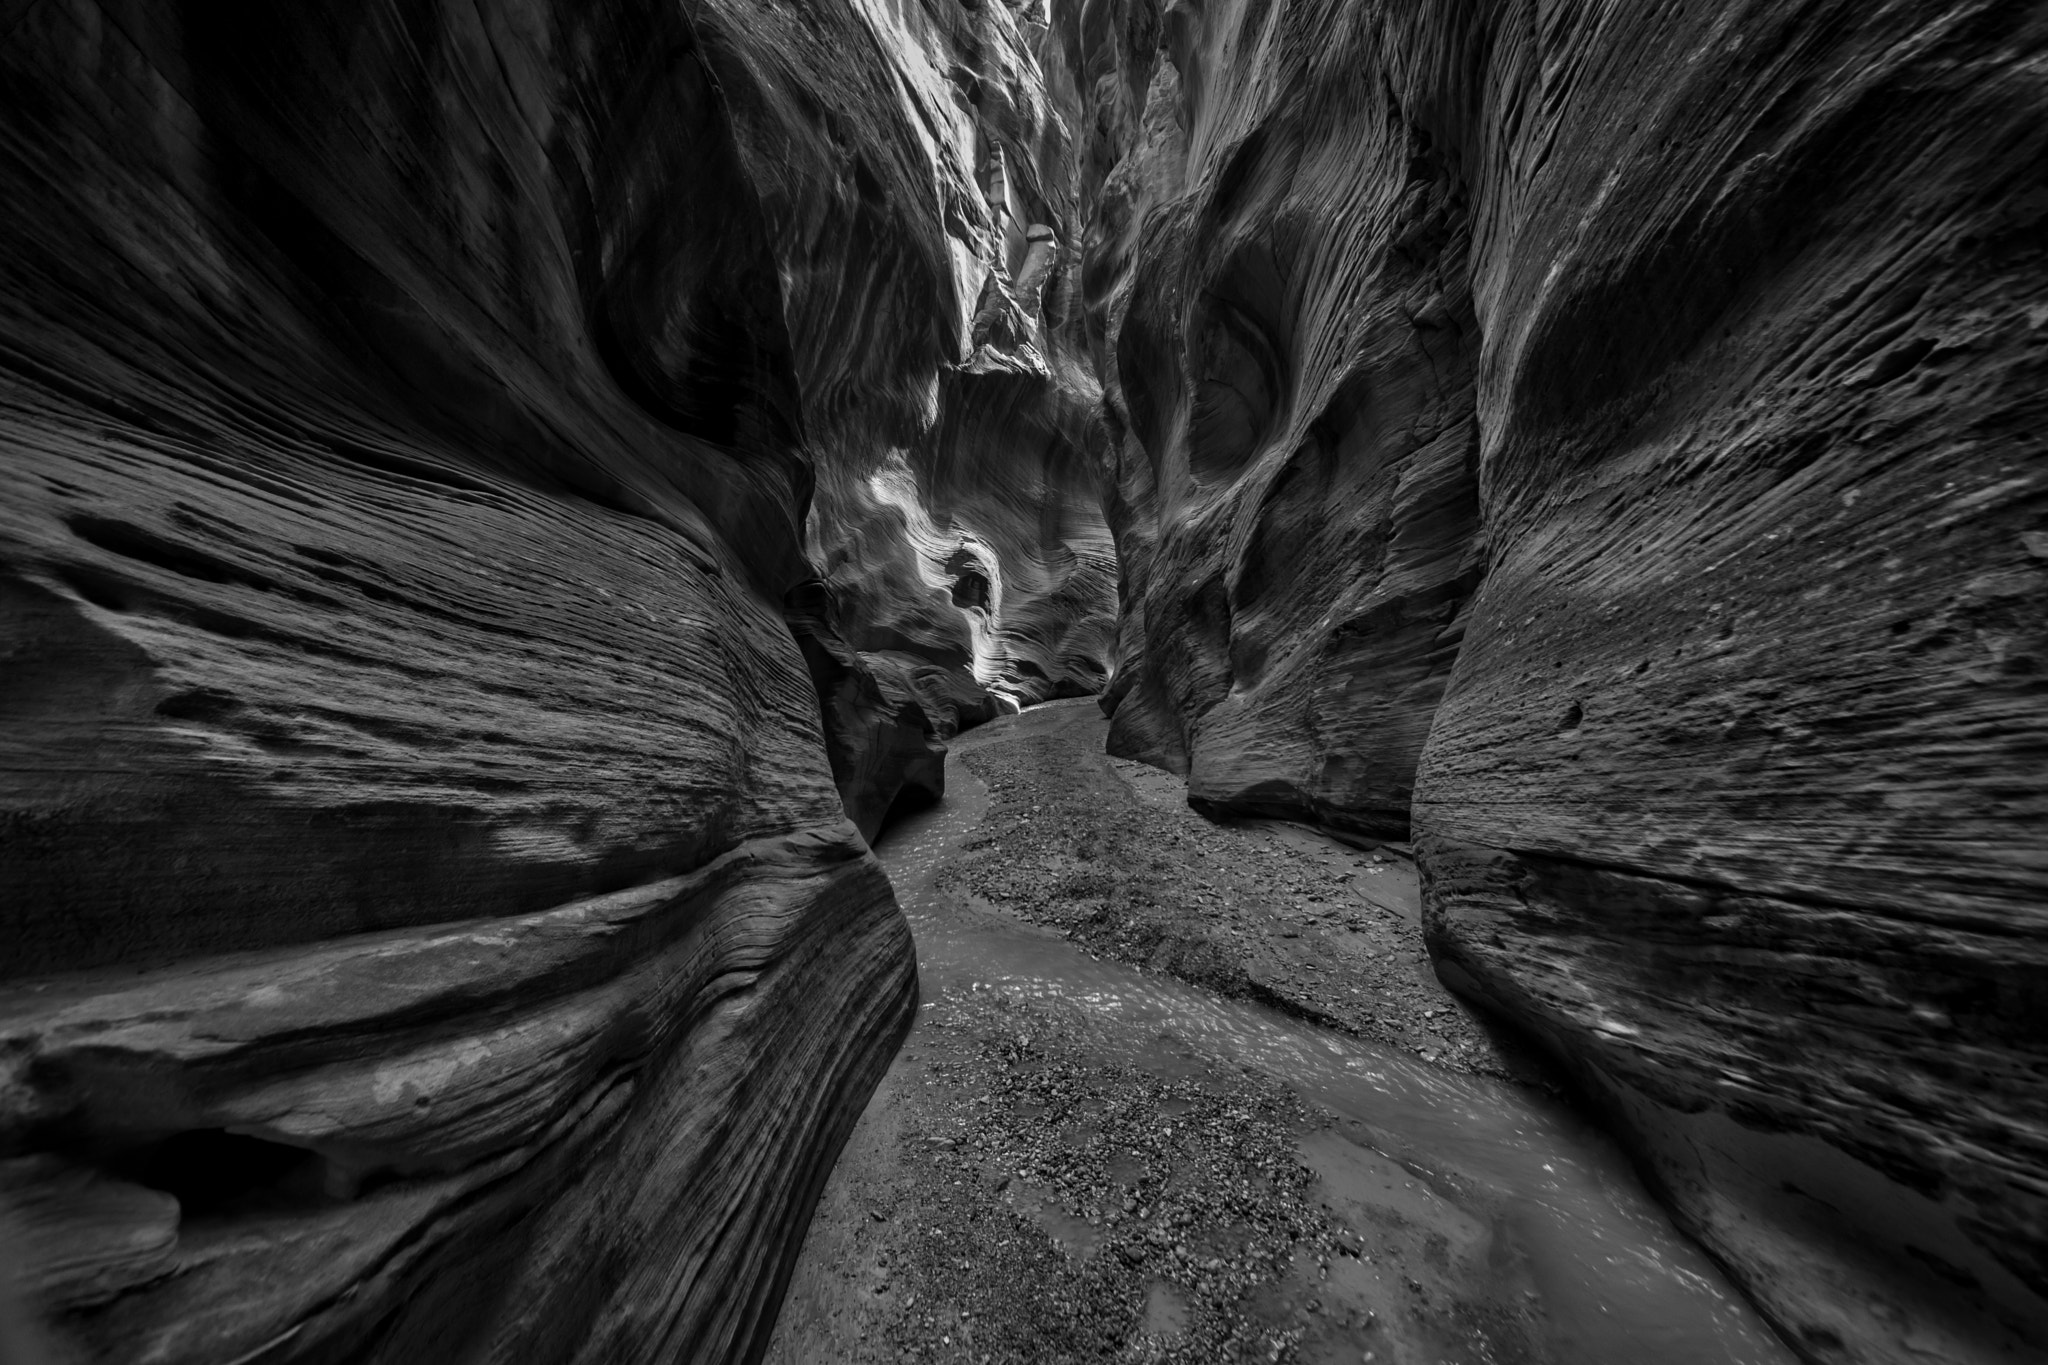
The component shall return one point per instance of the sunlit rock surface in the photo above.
(433, 929)
(497, 500)
(978, 538)
(1603, 441)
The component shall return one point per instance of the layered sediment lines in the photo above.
(498, 499)
(1602, 444)
(433, 924)
(978, 540)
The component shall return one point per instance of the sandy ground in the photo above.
(1025, 1187)
(1107, 852)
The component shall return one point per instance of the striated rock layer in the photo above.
(432, 924)
(977, 540)
(1602, 442)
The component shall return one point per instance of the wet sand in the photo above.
(1189, 1092)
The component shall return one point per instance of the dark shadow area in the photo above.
(213, 1173)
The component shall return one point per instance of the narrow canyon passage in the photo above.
(1074, 1158)
(1407, 640)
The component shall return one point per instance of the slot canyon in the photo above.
(1024, 680)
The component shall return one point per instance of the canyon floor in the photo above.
(1183, 1091)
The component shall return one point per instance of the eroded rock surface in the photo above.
(1603, 442)
(496, 500)
(977, 540)
(432, 925)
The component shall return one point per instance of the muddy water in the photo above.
(1617, 1283)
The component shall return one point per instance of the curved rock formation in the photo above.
(1011, 468)
(431, 928)
(979, 539)
(976, 566)
(497, 499)
(1603, 441)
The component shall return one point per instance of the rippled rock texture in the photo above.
(1604, 442)
(433, 929)
(977, 539)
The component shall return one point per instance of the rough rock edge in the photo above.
(1758, 518)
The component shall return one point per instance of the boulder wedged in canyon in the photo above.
(1602, 443)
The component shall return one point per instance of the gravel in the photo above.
(1107, 852)
(1037, 1183)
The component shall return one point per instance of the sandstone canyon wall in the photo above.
(496, 500)
(436, 920)
(1602, 442)
(979, 539)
